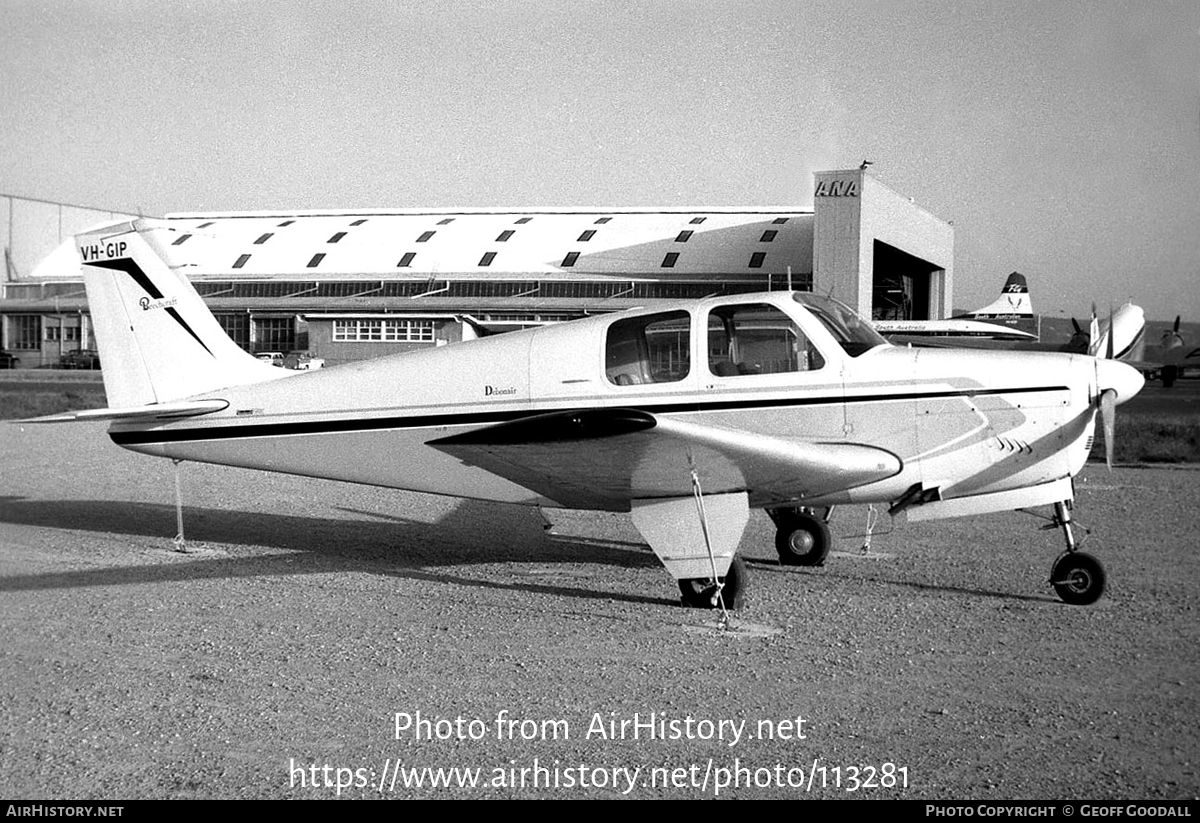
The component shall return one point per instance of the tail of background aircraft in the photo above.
(158, 342)
(1128, 324)
(1127, 341)
(1013, 308)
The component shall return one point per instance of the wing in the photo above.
(604, 458)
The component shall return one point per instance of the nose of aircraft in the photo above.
(1120, 377)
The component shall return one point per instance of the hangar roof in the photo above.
(493, 243)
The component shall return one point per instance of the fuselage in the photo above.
(963, 422)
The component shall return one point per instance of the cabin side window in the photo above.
(757, 338)
(650, 349)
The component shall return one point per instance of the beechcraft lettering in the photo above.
(147, 304)
(837, 188)
(104, 251)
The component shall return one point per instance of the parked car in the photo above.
(81, 359)
(302, 361)
(275, 358)
(8, 360)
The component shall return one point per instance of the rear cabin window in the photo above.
(757, 338)
(650, 349)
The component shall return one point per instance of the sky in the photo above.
(1062, 139)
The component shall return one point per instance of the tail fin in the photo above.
(158, 341)
(1014, 301)
(1013, 308)
(1123, 337)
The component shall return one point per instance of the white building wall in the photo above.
(853, 210)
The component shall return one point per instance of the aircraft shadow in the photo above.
(474, 533)
(382, 543)
(825, 571)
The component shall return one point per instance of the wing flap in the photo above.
(604, 458)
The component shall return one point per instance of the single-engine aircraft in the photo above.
(686, 416)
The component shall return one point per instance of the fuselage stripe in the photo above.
(359, 424)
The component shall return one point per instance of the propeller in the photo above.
(1116, 383)
(1079, 339)
(1172, 339)
(1112, 333)
(1108, 419)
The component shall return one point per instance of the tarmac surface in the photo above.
(322, 633)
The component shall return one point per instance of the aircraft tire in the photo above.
(1078, 578)
(701, 592)
(1169, 373)
(802, 540)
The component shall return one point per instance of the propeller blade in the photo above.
(1116, 382)
(1108, 418)
(1112, 333)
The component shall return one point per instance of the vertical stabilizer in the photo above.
(1014, 301)
(1126, 341)
(158, 342)
(1013, 308)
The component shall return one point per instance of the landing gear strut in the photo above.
(802, 537)
(1077, 577)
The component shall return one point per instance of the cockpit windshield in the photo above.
(854, 334)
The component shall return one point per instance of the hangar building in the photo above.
(348, 285)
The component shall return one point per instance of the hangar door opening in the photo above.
(901, 285)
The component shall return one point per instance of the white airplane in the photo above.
(1009, 317)
(1126, 344)
(687, 416)
(1008, 323)
(1169, 360)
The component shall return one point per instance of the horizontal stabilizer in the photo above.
(163, 411)
(606, 458)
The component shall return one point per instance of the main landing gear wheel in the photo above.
(701, 592)
(802, 539)
(1078, 578)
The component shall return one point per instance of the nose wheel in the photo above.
(1077, 577)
